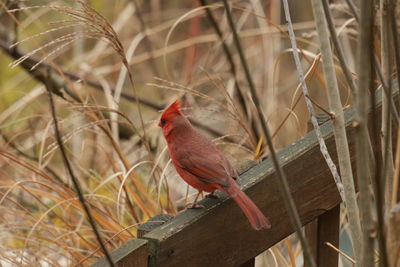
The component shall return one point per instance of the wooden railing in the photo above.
(220, 235)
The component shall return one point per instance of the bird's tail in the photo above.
(253, 214)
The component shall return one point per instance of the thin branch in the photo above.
(74, 179)
(394, 197)
(33, 158)
(378, 70)
(347, 257)
(309, 104)
(335, 106)
(289, 202)
(58, 83)
(148, 45)
(229, 57)
(365, 61)
(54, 78)
(338, 47)
(326, 112)
(384, 172)
(396, 41)
(353, 9)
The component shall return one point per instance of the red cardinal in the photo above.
(200, 164)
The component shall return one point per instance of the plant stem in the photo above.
(386, 58)
(229, 57)
(338, 47)
(148, 46)
(310, 107)
(288, 199)
(75, 181)
(396, 41)
(365, 61)
(385, 177)
(335, 106)
(378, 70)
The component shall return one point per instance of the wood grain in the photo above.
(153, 223)
(133, 253)
(328, 231)
(249, 263)
(220, 235)
(321, 230)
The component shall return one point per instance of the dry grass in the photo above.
(110, 134)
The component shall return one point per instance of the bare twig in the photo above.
(229, 57)
(74, 179)
(309, 104)
(378, 70)
(54, 78)
(386, 59)
(347, 257)
(289, 202)
(331, 115)
(341, 141)
(393, 222)
(148, 44)
(33, 158)
(58, 81)
(338, 47)
(384, 174)
(396, 174)
(365, 61)
(396, 41)
(353, 9)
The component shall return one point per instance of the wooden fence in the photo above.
(220, 235)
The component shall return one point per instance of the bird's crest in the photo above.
(174, 108)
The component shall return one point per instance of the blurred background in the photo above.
(108, 122)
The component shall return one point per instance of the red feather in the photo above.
(174, 108)
(198, 161)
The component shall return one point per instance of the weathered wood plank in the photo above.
(249, 263)
(153, 223)
(220, 235)
(321, 230)
(133, 253)
(328, 231)
(311, 233)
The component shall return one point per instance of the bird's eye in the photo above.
(162, 122)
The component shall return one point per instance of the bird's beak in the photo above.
(159, 124)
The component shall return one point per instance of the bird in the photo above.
(199, 163)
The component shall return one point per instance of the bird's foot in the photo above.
(212, 195)
(194, 206)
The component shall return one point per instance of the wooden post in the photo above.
(154, 222)
(324, 229)
(134, 253)
(311, 232)
(249, 263)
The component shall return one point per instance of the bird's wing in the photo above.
(209, 170)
